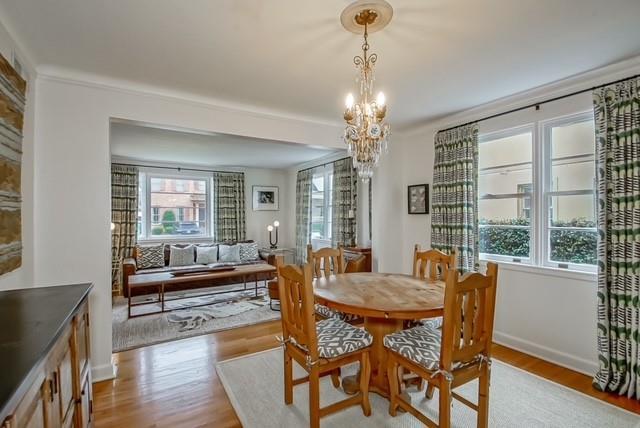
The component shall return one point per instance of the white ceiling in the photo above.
(291, 56)
(149, 144)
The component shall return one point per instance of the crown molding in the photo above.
(72, 77)
(24, 53)
(577, 82)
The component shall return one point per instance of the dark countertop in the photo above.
(31, 320)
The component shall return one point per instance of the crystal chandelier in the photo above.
(366, 134)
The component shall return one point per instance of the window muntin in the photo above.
(505, 195)
(173, 206)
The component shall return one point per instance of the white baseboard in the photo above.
(104, 372)
(560, 358)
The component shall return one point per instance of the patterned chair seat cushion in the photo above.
(337, 338)
(431, 322)
(327, 312)
(419, 344)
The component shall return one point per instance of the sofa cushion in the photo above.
(182, 256)
(206, 255)
(229, 253)
(150, 256)
(248, 251)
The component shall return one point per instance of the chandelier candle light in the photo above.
(366, 133)
(270, 228)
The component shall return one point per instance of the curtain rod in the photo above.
(176, 168)
(538, 104)
(324, 164)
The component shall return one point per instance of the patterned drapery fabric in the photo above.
(454, 219)
(124, 216)
(303, 214)
(229, 223)
(345, 203)
(617, 117)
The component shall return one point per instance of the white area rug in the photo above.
(254, 384)
(224, 311)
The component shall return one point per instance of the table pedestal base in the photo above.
(379, 383)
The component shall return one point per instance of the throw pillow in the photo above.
(206, 255)
(229, 253)
(249, 252)
(150, 256)
(181, 256)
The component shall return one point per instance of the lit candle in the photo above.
(380, 99)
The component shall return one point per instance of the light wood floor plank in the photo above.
(175, 384)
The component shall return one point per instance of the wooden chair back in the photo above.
(432, 264)
(326, 261)
(469, 308)
(296, 307)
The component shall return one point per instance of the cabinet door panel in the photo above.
(83, 340)
(66, 384)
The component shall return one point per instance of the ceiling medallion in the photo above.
(366, 133)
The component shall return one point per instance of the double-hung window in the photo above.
(173, 206)
(536, 187)
(321, 205)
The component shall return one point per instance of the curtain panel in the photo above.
(229, 217)
(303, 214)
(124, 216)
(617, 117)
(454, 219)
(345, 203)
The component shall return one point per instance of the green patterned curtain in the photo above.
(303, 214)
(617, 116)
(454, 219)
(124, 216)
(229, 224)
(345, 203)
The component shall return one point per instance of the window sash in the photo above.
(547, 161)
(148, 223)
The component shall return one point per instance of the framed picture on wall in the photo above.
(418, 199)
(265, 198)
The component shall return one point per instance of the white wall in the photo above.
(72, 178)
(23, 276)
(540, 311)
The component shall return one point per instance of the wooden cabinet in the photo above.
(355, 252)
(60, 394)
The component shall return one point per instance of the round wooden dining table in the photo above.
(385, 301)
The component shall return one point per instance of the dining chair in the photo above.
(324, 262)
(433, 265)
(272, 286)
(319, 348)
(453, 356)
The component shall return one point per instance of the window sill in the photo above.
(545, 270)
(176, 240)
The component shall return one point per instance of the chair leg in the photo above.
(444, 414)
(365, 375)
(314, 398)
(392, 374)
(288, 378)
(483, 397)
(428, 394)
(335, 378)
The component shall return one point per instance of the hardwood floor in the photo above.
(175, 384)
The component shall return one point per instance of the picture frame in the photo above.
(265, 198)
(418, 199)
